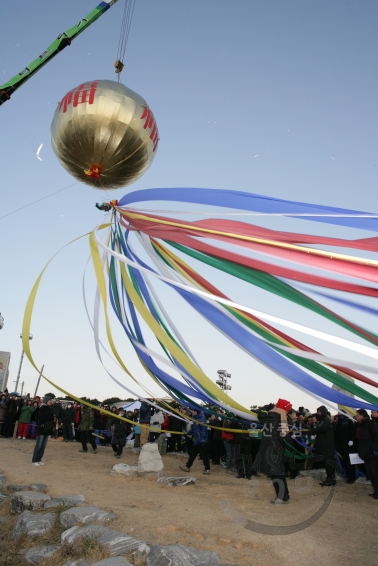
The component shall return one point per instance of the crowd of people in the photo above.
(281, 443)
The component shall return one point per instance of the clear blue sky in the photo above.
(293, 82)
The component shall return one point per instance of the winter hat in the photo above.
(283, 404)
(46, 398)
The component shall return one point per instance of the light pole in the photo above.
(222, 380)
(22, 357)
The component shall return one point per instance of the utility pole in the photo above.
(22, 357)
(39, 379)
(19, 371)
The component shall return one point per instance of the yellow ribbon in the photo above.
(28, 313)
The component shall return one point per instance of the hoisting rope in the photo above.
(124, 36)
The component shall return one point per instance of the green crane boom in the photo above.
(64, 39)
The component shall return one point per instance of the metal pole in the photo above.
(19, 370)
(39, 379)
(22, 387)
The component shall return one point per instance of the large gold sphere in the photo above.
(104, 134)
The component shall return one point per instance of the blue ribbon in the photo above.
(251, 202)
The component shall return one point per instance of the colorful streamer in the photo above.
(125, 281)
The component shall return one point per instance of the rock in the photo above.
(140, 555)
(79, 562)
(150, 462)
(177, 454)
(84, 515)
(116, 561)
(16, 487)
(363, 480)
(3, 479)
(162, 443)
(27, 501)
(33, 524)
(117, 543)
(179, 555)
(66, 500)
(320, 474)
(3, 497)
(176, 481)
(124, 470)
(75, 533)
(38, 487)
(31, 487)
(40, 554)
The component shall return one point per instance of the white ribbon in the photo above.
(366, 350)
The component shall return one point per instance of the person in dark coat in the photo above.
(243, 450)
(368, 448)
(120, 430)
(294, 446)
(270, 457)
(344, 434)
(186, 441)
(3, 410)
(86, 429)
(68, 422)
(325, 444)
(57, 410)
(145, 412)
(200, 444)
(11, 405)
(45, 424)
(174, 441)
(215, 440)
(374, 416)
(97, 419)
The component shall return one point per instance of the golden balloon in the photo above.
(104, 134)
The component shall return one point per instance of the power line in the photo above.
(38, 200)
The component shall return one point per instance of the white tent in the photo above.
(131, 406)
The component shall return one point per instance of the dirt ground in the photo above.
(192, 515)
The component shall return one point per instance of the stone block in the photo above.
(177, 481)
(66, 500)
(84, 515)
(140, 555)
(75, 533)
(115, 561)
(150, 463)
(40, 554)
(179, 555)
(13, 487)
(79, 562)
(124, 470)
(117, 543)
(27, 501)
(38, 487)
(3, 479)
(33, 524)
(3, 497)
